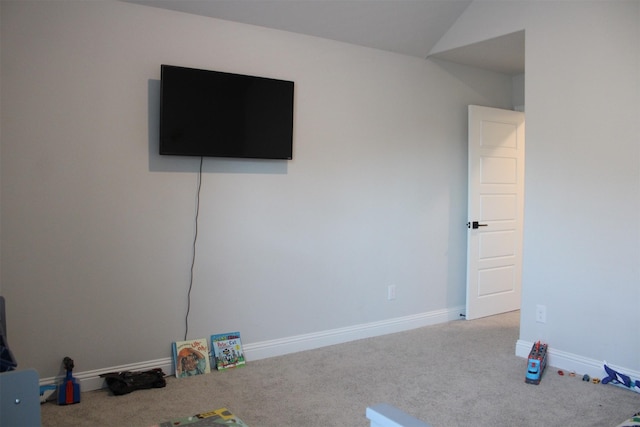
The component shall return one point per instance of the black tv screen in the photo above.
(218, 114)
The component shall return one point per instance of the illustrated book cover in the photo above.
(191, 357)
(226, 350)
(219, 417)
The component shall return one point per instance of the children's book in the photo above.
(227, 350)
(191, 357)
(219, 417)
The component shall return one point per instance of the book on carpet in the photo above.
(226, 350)
(219, 417)
(191, 357)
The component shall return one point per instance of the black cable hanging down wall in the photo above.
(193, 258)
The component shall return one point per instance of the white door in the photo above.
(495, 211)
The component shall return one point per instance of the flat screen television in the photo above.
(218, 114)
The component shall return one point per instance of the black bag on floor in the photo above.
(125, 382)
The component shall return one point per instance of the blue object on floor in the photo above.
(19, 398)
(385, 415)
(69, 390)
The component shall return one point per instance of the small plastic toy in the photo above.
(69, 390)
(125, 382)
(536, 363)
(586, 377)
(616, 378)
(46, 391)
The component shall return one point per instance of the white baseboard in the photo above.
(277, 347)
(91, 380)
(572, 362)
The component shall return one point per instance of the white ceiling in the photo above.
(410, 27)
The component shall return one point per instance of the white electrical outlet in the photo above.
(541, 313)
(391, 292)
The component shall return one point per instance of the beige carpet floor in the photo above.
(462, 373)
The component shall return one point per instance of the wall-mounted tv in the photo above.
(218, 114)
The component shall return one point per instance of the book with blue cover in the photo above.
(226, 350)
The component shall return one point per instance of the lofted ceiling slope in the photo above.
(409, 27)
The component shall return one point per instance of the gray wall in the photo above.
(582, 228)
(97, 228)
(582, 238)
